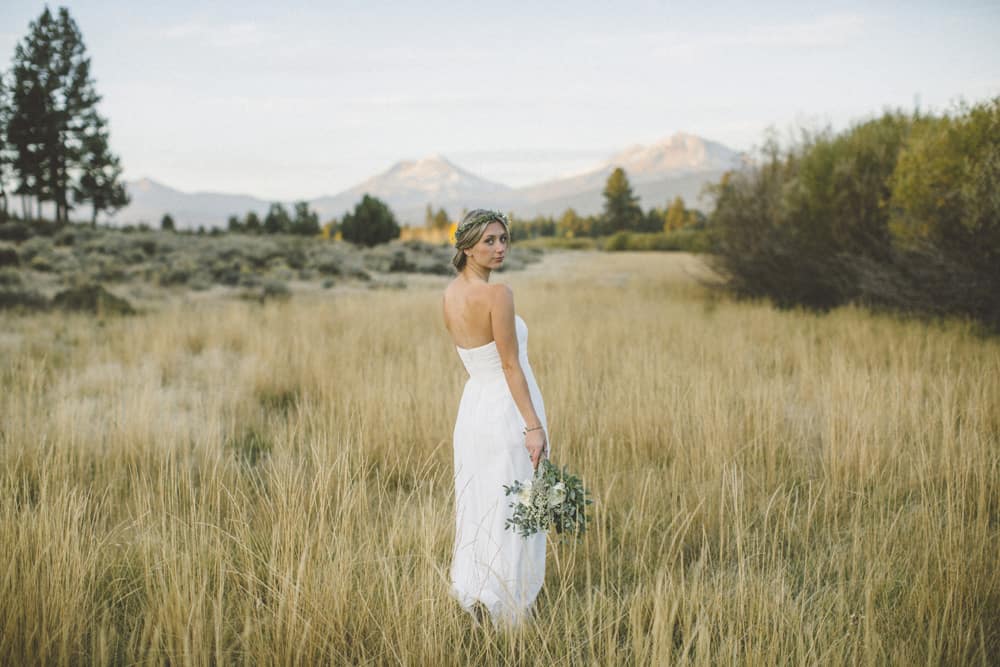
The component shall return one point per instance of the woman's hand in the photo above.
(534, 442)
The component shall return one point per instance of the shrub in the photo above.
(14, 231)
(618, 241)
(899, 212)
(15, 296)
(21, 298)
(92, 298)
(8, 255)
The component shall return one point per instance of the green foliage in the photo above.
(529, 228)
(573, 224)
(683, 240)
(371, 223)
(167, 223)
(621, 207)
(947, 187)
(678, 216)
(897, 212)
(552, 498)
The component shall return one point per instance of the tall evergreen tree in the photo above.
(277, 220)
(371, 223)
(58, 139)
(621, 207)
(31, 122)
(306, 222)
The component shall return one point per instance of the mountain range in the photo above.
(678, 165)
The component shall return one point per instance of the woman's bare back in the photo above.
(467, 316)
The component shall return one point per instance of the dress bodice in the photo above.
(483, 362)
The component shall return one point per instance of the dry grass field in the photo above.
(223, 481)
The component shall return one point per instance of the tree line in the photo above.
(899, 212)
(621, 213)
(54, 144)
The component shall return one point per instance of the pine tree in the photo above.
(277, 220)
(59, 141)
(31, 122)
(306, 222)
(371, 223)
(621, 207)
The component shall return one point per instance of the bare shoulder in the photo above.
(500, 298)
(500, 292)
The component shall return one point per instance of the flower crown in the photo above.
(485, 216)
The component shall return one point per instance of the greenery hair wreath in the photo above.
(484, 217)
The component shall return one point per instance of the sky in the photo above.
(298, 100)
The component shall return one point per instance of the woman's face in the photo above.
(490, 250)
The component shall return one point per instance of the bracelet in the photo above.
(537, 428)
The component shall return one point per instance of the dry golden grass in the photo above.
(232, 482)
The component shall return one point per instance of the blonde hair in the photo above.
(471, 229)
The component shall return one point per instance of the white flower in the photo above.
(524, 495)
(557, 494)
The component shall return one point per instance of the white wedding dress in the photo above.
(491, 564)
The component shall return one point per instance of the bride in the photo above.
(500, 431)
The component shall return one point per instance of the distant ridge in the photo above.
(408, 186)
(680, 164)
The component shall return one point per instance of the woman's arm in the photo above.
(505, 335)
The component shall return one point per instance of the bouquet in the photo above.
(553, 498)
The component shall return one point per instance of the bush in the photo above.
(15, 296)
(8, 255)
(618, 241)
(900, 212)
(92, 298)
(685, 240)
(14, 231)
(20, 298)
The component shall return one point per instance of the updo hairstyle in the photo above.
(471, 229)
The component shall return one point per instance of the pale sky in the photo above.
(303, 99)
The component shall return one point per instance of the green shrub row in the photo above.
(900, 212)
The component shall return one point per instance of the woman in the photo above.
(500, 432)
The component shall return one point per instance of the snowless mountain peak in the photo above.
(677, 164)
(678, 153)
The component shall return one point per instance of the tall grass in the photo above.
(235, 482)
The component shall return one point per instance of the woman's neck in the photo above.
(478, 274)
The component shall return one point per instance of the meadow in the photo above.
(230, 481)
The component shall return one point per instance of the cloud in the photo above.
(827, 31)
(824, 31)
(224, 36)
